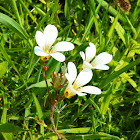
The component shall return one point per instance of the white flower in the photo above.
(100, 60)
(45, 41)
(75, 84)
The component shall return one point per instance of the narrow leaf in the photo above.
(41, 84)
(10, 128)
(111, 10)
(4, 113)
(127, 77)
(13, 25)
(120, 31)
(117, 73)
(106, 101)
(7, 136)
(39, 111)
(3, 68)
(28, 11)
(113, 26)
(75, 130)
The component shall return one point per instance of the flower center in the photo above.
(45, 58)
(46, 49)
(69, 92)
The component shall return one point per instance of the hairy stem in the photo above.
(51, 116)
(43, 71)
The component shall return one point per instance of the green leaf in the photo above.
(7, 11)
(13, 25)
(131, 25)
(52, 63)
(4, 113)
(41, 84)
(39, 111)
(92, 137)
(127, 77)
(87, 29)
(15, 10)
(95, 105)
(138, 2)
(105, 83)
(39, 11)
(38, 107)
(10, 62)
(3, 68)
(111, 10)
(7, 136)
(106, 101)
(82, 108)
(113, 26)
(28, 11)
(17, 49)
(120, 31)
(108, 136)
(75, 130)
(92, 6)
(10, 128)
(66, 10)
(117, 73)
(54, 11)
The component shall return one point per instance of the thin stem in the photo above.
(31, 138)
(43, 71)
(51, 116)
(62, 97)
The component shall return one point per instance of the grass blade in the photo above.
(27, 10)
(13, 25)
(117, 73)
(4, 113)
(39, 112)
(14, 7)
(106, 101)
(111, 10)
(113, 26)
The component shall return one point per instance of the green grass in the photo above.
(112, 115)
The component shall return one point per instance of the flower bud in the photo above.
(45, 68)
(58, 80)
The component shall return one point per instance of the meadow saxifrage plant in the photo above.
(76, 84)
(100, 60)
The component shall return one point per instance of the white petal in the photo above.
(58, 56)
(51, 34)
(39, 52)
(83, 78)
(90, 52)
(63, 46)
(40, 39)
(90, 90)
(82, 55)
(72, 72)
(101, 67)
(102, 58)
(80, 93)
(86, 65)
